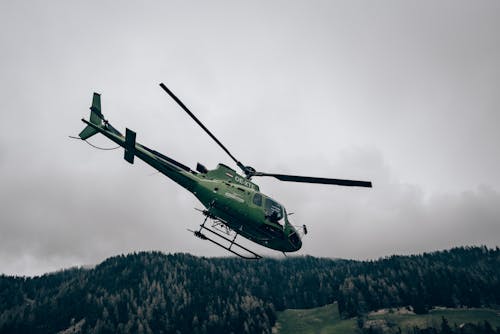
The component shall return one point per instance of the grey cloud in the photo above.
(404, 95)
(393, 217)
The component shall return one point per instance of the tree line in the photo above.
(152, 292)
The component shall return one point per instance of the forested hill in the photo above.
(158, 293)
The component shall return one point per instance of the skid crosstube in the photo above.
(232, 242)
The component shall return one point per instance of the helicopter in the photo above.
(233, 204)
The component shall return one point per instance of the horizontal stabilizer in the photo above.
(87, 132)
(129, 146)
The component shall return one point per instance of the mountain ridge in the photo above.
(153, 292)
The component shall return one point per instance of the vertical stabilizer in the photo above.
(95, 117)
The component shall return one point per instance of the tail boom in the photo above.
(174, 170)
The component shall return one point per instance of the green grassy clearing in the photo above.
(326, 319)
(454, 317)
(320, 320)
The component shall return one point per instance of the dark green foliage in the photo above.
(157, 293)
(458, 277)
(467, 328)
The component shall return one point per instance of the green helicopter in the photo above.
(233, 203)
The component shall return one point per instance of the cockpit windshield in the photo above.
(274, 211)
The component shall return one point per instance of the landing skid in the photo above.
(219, 228)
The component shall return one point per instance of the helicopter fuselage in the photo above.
(233, 203)
(227, 196)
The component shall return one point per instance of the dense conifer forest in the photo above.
(151, 292)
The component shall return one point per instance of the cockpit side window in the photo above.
(257, 199)
(274, 211)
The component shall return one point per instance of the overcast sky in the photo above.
(405, 94)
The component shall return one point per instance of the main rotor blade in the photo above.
(179, 102)
(320, 180)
